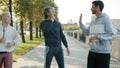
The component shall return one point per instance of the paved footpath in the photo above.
(77, 58)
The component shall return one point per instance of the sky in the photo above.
(71, 9)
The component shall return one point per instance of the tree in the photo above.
(34, 11)
(20, 13)
(10, 10)
(31, 31)
(71, 27)
(22, 33)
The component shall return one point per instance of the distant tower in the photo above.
(70, 21)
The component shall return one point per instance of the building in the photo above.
(116, 23)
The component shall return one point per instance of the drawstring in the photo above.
(3, 32)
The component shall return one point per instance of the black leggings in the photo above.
(98, 60)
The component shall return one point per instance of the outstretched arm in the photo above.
(64, 41)
(84, 29)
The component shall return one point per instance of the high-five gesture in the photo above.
(80, 19)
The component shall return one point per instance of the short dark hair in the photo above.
(99, 3)
(47, 10)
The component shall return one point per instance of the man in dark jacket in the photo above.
(53, 35)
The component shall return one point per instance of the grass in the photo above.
(25, 47)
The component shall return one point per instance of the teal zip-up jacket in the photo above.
(103, 29)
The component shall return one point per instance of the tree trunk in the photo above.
(36, 32)
(22, 33)
(40, 31)
(16, 26)
(10, 10)
(30, 27)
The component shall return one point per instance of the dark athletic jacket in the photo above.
(53, 34)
